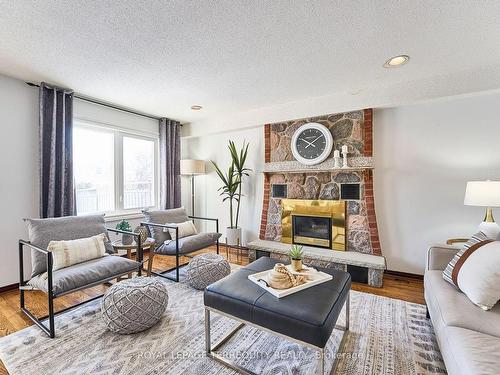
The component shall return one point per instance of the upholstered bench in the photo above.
(307, 317)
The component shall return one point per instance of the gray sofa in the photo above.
(469, 338)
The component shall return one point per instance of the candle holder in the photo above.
(344, 155)
(336, 162)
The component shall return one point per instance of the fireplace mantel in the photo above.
(358, 163)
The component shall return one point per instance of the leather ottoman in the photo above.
(307, 317)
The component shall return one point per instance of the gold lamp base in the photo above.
(488, 217)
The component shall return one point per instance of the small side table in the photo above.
(239, 250)
(119, 248)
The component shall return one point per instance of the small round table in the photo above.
(119, 248)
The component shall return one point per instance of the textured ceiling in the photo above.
(236, 57)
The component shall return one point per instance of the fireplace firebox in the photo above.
(320, 223)
(312, 230)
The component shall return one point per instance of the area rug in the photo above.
(387, 336)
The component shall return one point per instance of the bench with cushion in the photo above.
(56, 283)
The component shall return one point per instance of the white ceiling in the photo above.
(251, 57)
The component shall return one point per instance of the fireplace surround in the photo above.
(319, 223)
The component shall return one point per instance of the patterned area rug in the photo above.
(387, 336)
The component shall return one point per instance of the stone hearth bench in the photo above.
(365, 268)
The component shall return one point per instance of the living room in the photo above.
(261, 187)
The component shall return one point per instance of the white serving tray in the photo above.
(314, 278)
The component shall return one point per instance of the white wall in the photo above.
(19, 166)
(208, 202)
(424, 155)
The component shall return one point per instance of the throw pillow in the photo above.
(477, 273)
(67, 253)
(475, 239)
(186, 229)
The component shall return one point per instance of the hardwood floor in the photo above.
(12, 320)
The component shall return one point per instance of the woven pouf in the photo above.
(134, 305)
(205, 269)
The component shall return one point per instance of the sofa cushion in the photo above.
(188, 244)
(449, 307)
(468, 352)
(474, 241)
(42, 231)
(67, 253)
(85, 273)
(175, 215)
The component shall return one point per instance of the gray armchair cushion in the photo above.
(86, 273)
(189, 244)
(175, 215)
(42, 231)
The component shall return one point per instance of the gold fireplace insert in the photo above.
(318, 223)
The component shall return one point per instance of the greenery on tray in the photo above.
(124, 225)
(296, 252)
(232, 179)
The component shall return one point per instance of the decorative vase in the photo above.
(127, 239)
(233, 236)
(296, 264)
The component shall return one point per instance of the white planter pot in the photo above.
(233, 236)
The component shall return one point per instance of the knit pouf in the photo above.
(205, 269)
(134, 305)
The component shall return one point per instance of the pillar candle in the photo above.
(336, 154)
(344, 149)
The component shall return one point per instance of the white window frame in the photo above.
(118, 134)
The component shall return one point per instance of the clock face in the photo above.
(312, 143)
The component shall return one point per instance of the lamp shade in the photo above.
(482, 193)
(191, 167)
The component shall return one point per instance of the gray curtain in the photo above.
(57, 191)
(170, 164)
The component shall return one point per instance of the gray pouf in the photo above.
(205, 269)
(134, 305)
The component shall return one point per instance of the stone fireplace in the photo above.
(287, 180)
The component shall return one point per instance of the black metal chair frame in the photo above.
(177, 255)
(51, 296)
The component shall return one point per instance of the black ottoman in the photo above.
(307, 317)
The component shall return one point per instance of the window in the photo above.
(115, 172)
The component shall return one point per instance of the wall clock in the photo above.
(312, 143)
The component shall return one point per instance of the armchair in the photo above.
(73, 278)
(157, 220)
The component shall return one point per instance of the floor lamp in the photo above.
(192, 168)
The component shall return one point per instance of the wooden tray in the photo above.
(314, 278)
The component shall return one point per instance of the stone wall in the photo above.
(353, 129)
(322, 185)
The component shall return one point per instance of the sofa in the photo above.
(469, 337)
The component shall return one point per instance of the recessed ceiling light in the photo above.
(196, 107)
(396, 61)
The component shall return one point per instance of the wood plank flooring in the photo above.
(12, 320)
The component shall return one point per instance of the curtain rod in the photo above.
(106, 104)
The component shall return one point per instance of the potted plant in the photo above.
(296, 254)
(127, 239)
(231, 189)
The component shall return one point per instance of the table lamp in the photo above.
(192, 168)
(485, 194)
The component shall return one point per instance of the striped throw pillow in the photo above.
(474, 240)
(67, 253)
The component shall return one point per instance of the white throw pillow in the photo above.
(67, 253)
(477, 273)
(475, 239)
(186, 229)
